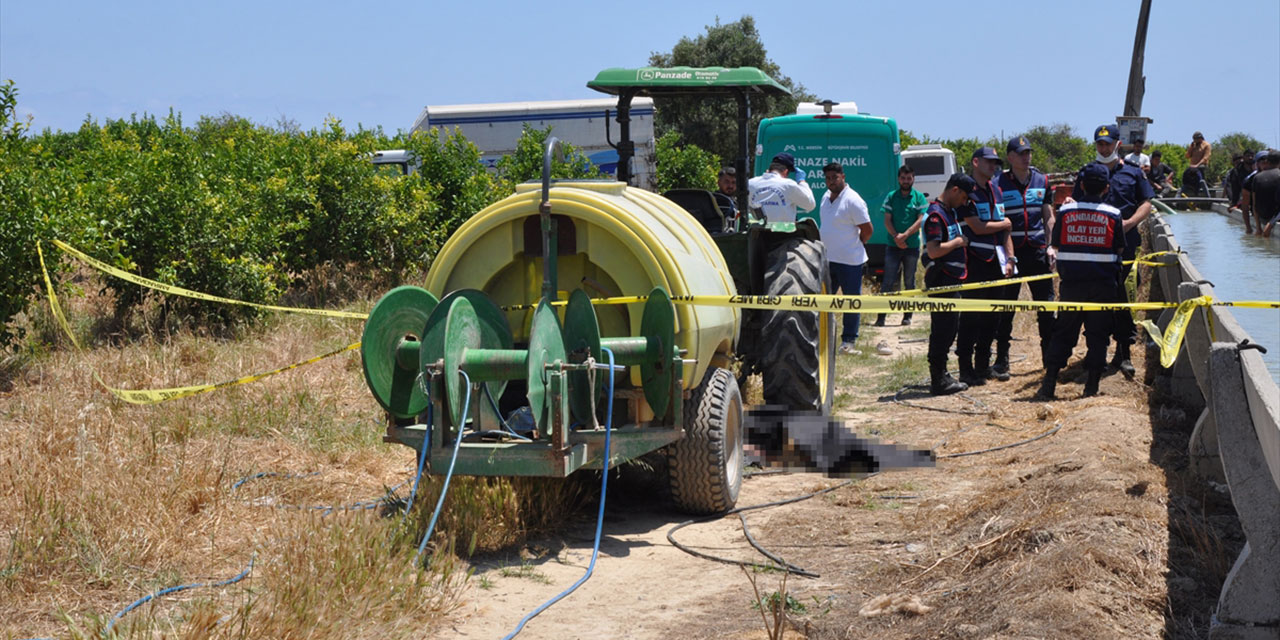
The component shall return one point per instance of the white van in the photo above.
(933, 164)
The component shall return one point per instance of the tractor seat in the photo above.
(701, 205)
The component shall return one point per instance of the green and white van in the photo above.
(866, 145)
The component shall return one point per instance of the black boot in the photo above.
(1048, 386)
(970, 377)
(906, 319)
(1121, 361)
(942, 384)
(879, 320)
(1091, 384)
(1000, 370)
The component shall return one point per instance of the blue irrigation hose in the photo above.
(498, 412)
(163, 592)
(444, 491)
(604, 487)
(422, 459)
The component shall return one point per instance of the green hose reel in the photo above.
(410, 337)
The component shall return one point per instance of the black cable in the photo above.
(706, 556)
(1019, 443)
(897, 399)
(746, 530)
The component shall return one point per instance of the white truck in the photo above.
(588, 125)
(933, 164)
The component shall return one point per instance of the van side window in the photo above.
(926, 165)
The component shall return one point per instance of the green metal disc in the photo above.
(462, 331)
(545, 346)
(658, 322)
(494, 330)
(582, 339)
(392, 339)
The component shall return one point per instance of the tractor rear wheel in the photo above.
(705, 466)
(797, 359)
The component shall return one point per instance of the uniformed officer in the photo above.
(990, 257)
(1089, 241)
(1131, 193)
(945, 265)
(1028, 206)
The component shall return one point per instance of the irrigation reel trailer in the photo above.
(536, 392)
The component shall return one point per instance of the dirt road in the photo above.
(1074, 535)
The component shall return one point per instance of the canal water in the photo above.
(1240, 268)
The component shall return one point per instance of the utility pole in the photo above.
(1133, 125)
(1137, 82)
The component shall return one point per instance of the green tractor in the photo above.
(511, 360)
(797, 361)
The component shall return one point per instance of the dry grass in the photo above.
(103, 502)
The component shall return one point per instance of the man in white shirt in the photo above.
(1138, 158)
(776, 195)
(846, 225)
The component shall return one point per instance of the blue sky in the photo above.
(945, 69)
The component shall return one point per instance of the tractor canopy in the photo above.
(684, 81)
(739, 83)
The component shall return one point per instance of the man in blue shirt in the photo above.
(1089, 241)
(1029, 206)
(1131, 193)
(989, 257)
(945, 266)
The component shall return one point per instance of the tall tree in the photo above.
(712, 124)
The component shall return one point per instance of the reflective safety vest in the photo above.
(1023, 205)
(942, 225)
(1090, 238)
(988, 208)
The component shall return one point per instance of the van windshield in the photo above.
(926, 165)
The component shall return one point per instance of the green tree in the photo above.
(525, 165)
(906, 138)
(1224, 149)
(684, 166)
(19, 226)
(712, 124)
(1057, 149)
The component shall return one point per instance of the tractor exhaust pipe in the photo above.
(549, 249)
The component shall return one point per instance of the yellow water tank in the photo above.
(614, 240)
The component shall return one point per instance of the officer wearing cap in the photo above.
(990, 257)
(775, 195)
(1030, 209)
(1089, 243)
(945, 265)
(1131, 193)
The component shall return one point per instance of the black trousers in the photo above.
(978, 328)
(1032, 261)
(1098, 325)
(943, 325)
(1125, 331)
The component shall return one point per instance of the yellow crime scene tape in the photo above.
(155, 396)
(986, 284)
(1170, 341)
(902, 301)
(187, 293)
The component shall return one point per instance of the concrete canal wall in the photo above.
(1237, 215)
(1236, 439)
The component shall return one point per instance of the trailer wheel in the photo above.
(705, 466)
(797, 360)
